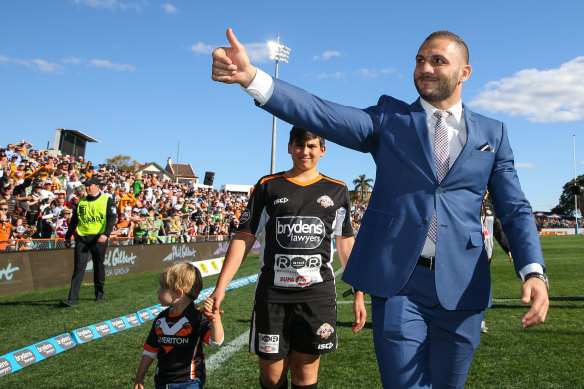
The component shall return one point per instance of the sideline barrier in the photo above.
(16, 360)
(27, 271)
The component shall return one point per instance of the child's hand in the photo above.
(138, 386)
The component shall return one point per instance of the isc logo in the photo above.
(326, 346)
(283, 200)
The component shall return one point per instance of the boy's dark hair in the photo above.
(184, 276)
(301, 136)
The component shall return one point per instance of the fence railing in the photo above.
(11, 245)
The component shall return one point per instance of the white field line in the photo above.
(226, 352)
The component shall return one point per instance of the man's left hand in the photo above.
(360, 312)
(534, 290)
(102, 238)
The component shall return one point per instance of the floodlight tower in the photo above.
(278, 53)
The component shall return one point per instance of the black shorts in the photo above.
(278, 328)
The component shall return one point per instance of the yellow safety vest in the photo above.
(92, 216)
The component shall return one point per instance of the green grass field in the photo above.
(548, 356)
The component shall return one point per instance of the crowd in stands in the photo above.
(38, 192)
(557, 222)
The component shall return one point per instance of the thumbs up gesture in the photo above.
(231, 64)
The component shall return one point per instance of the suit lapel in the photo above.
(421, 124)
(471, 136)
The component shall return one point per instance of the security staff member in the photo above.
(92, 222)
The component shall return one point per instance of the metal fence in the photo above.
(12, 245)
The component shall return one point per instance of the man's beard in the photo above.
(446, 87)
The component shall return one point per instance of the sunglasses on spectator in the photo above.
(3, 209)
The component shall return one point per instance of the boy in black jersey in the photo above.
(178, 332)
(295, 215)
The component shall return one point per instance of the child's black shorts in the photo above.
(278, 328)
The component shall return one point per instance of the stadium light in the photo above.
(576, 212)
(278, 53)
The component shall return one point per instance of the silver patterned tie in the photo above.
(442, 158)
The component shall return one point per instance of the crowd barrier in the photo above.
(30, 270)
(16, 360)
(59, 243)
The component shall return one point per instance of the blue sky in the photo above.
(135, 75)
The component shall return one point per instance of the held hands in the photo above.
(211, 306)
(536, 290)
(67, 243)
(231, 64)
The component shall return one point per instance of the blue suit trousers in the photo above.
(418, 343)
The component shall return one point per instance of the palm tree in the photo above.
(363, 184)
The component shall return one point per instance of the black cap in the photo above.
(92, 181)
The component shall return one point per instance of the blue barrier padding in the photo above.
(26, 356)
(16, 360)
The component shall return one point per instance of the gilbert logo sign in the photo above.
(7, 273)
(180, 252)
(119, 257)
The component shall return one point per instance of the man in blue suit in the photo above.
(420, 251)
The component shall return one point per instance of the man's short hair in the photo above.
(301, 136)
(184, 276)
(445, 34)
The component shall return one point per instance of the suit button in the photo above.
(424, 221)
(439, 190)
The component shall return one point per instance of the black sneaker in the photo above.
(99, 299)
(67, 304)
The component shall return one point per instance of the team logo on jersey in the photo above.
(268, 344)
(299, 232)
(283, 200)
(244, 216)
(325, 330)
(325, 201)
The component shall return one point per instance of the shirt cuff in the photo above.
(149, 354)
(531, 268)
(261, 88)
(211, 343)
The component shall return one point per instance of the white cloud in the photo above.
(365, 72)
(330, 75)
(37, 63)
(326, 55)
(111, 4)
(524, 165)
(104, 63)
(553, 95)
(45, 66)
(72, 61)
(257, 52)
(581, 162)
(202, 48)
(169, 8)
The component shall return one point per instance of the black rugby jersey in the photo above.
(177, 340)
(295, 223)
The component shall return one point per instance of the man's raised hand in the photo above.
(231, 64)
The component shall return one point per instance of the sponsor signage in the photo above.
(5, 367)
(83, 335)
(299, 232)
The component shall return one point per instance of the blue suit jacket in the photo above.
(406, 194)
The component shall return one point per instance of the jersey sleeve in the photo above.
(204, 328)
(343, 224)
(249, 222)
(151, 346)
